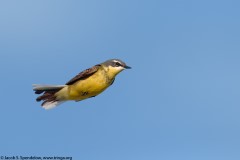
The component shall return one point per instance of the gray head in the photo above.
(116, 63)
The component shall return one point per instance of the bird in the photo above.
(87, 84)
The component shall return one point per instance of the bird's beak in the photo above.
(127, 67)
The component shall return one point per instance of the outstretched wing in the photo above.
(84, 74)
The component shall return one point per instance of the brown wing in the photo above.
(84, 74)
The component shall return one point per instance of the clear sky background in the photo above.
(181, 100)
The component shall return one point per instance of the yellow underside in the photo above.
(86, 88)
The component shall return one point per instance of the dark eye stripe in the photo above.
(118, 64)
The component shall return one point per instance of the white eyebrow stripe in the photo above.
(115, 61)
(118, 62)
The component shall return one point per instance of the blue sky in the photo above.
(179, 102)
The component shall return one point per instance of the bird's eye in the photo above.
(117, 64)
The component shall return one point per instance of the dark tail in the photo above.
(48, 97)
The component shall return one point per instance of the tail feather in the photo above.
(48, 95)
(49, 99)
(51, 104)
(39, 87)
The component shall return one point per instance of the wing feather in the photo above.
(84, 74)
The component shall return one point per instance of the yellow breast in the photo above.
(89, 87)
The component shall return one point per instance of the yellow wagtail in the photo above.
(88, 83)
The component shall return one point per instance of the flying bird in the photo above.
(88, 83)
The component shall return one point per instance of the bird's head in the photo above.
(114, 66)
